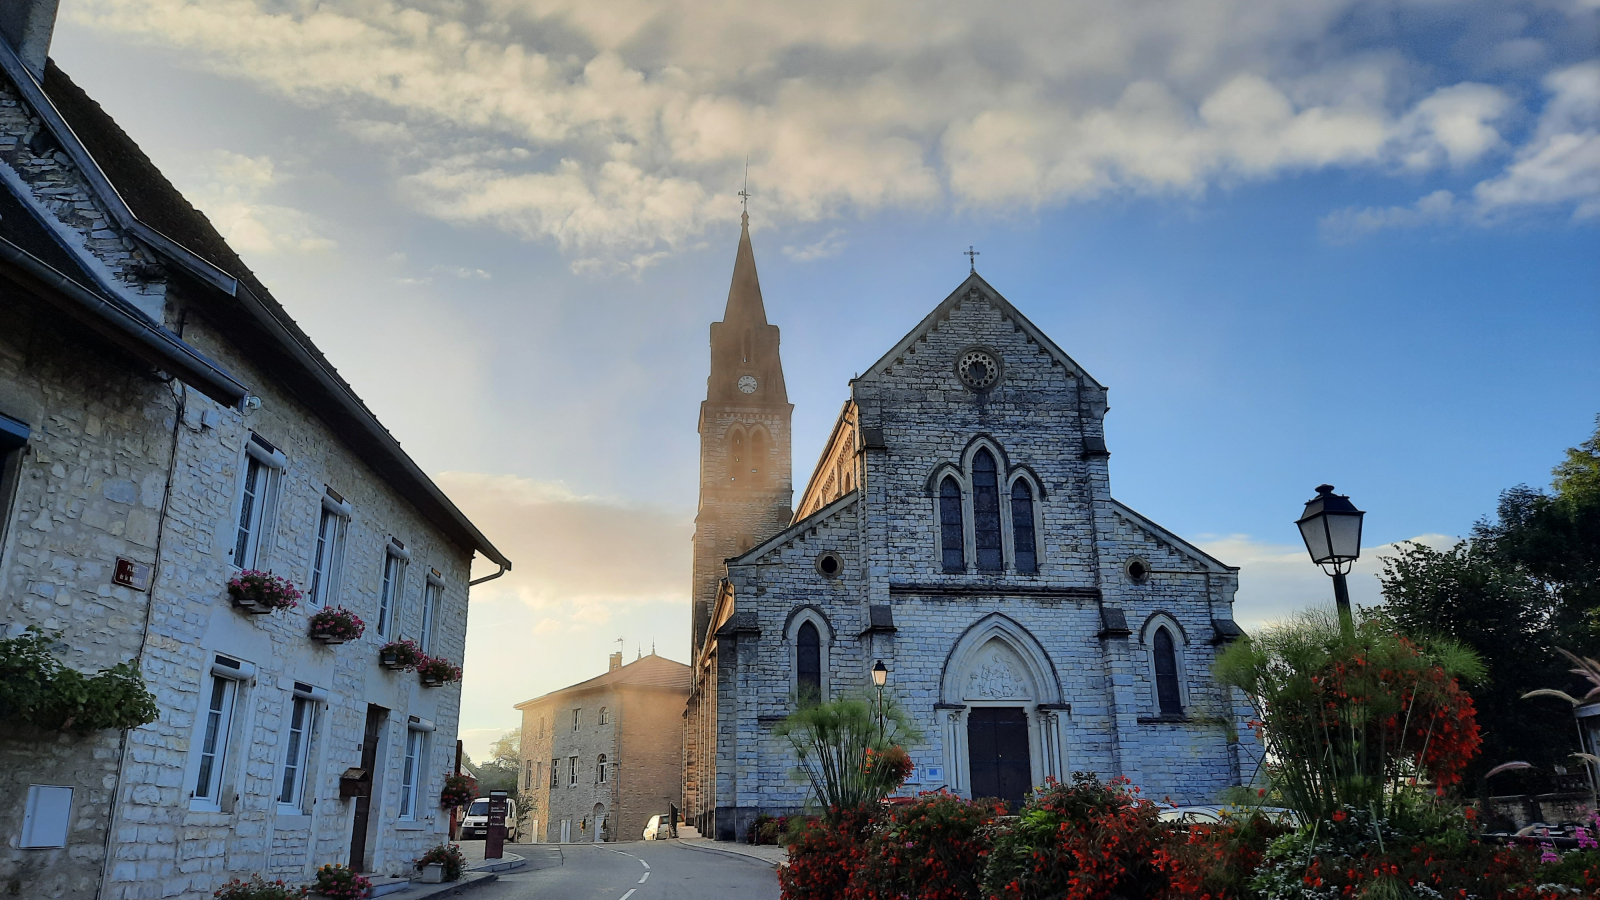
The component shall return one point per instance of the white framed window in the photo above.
(432, 594)
(410, 772)
(299, 734)
(1165, 645)
(257, 503)
(600, 769)
(575, 713)
(215, 725)
(605, 717)
(572, 771)
(393, 586)
(555, 772)
(327, 555)
(809, 638)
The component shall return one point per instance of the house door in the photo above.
(997, 750)
(566, 831)
(599, 822)
(376, 716)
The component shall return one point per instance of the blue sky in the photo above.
(1317, 241)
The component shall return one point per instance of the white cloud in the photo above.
(231, 191)
(1275, 580)
(618, 130)
(829, 245)
(1558, 167)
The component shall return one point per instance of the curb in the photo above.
(468, 881)
(706, 848)
(504, 864)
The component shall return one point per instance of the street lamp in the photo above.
(880, 677)
(1331, 527)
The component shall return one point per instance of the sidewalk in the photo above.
(479, 873)
(776, 857)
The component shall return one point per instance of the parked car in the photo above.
(476, 823)
(1211, 815)
(659, 828)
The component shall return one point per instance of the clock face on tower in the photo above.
(747, 384)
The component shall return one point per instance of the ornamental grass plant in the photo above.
(849, 750)
(1354, 723)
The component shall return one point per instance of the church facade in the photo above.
(960, 528)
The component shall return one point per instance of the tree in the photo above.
(1523, 585)
(500, 772)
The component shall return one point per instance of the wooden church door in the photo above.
(997, 752)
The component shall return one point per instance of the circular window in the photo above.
(830, 565)
(979, 369)
(1138, 571)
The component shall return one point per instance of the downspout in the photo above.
(504, 568)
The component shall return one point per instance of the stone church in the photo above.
(959, 527)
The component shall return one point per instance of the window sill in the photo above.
(409, 825)
(1165, 720)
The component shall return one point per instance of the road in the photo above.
(640, 870)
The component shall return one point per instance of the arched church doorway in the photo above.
(1001, 698)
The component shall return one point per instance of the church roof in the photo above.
(145, 205)
(646, 672)
(744, 293)
(1177, 543)
(975, 282)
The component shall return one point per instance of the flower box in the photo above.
(398, 656)
(436, 671)
(259, 593)
(336, 625)
(433, 873)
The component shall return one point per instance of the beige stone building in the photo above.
(163, 425)
(601, 757)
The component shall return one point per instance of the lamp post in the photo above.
(1331, 527)
(880, 677)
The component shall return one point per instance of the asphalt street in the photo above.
(640, 870)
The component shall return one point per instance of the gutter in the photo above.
(129, 329)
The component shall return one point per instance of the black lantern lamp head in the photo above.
(880, 673)
(1331, 527)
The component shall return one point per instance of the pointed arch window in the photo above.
(1166, 664)
(1022, 544)
(758, 456)
(986, 512)
(952, 537)
(808, 662)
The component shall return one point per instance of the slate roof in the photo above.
(646, 672)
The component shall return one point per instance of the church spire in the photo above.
(744, 294)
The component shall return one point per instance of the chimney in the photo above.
(616, 661)
(27, 26)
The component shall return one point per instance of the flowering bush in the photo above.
(1216, 862)
(255, 589)
(824, 854)
(933, 849)
(341, 882)
(400, 655)
(1354, 854)
(1354, 722)
(890, 766)
(459, 790)
(337, 623)
(767, 829)
(436, 670)
(446, 855)
(258, 888)
(1083, 841)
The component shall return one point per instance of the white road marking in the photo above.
(643, 877)
(629, 893)
(643, 863)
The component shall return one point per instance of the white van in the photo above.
(658, 829)
(476, 824)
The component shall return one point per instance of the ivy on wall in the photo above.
(37, 689)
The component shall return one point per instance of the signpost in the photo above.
(494, 842)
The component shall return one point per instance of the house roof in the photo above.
(646, 672)
(146, 204)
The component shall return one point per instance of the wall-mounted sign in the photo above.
(131, 574)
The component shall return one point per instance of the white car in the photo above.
(1211, 815)
(659, 828)
(476, 823)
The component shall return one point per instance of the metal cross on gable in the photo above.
(972, 256)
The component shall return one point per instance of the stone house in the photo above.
(601, 757)
(163, 425)
(960, 528)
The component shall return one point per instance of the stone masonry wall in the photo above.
(567, 801)
(648, 773)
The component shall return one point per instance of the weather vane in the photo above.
(744, 194)
(972, 256)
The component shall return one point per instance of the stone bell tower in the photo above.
(746, 482)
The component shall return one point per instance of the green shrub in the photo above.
(446, 855)
(258, 888)
(37, 689)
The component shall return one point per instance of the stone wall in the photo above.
(566, 801)
(648, 774)
(95, 486)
